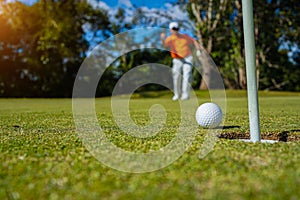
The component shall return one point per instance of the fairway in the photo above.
(42, 156)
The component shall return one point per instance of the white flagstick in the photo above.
(251, 70)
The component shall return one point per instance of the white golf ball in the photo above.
(209, 115)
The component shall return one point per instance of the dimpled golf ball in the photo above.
(209, 115)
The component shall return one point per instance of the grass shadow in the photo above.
(230, 127)
(284, 136)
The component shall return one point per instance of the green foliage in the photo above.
(128, 61)
(48, 47)
(274, 43)
(276, 30)
(42, 46)
(42, 156)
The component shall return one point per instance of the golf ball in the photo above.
(209, 115)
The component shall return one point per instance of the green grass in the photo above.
(42, 156)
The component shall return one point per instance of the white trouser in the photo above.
(182, 76)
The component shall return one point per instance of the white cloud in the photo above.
(126, 3)
(98, 4)
(28, 2)
(147, 17)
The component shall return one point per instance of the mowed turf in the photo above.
(42, 157)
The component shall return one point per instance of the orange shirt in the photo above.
(180, 45)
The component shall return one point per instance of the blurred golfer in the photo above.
(181, 47)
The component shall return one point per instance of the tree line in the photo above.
(43, 45)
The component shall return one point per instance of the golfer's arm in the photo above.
(196, 44)
(163, 42)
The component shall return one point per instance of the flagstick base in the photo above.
(261, 141)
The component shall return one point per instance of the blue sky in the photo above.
(24, 1)
(113, 3)
(139, 3)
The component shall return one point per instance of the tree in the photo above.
(209, 17)
(274, 41)
(13, 47)
(219, 29)
(50, 43)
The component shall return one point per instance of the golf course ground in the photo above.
(42, 156)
